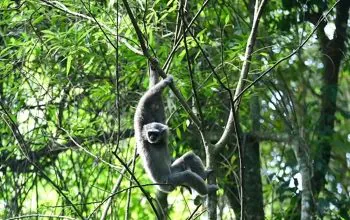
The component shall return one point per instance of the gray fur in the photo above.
(191, 163)
(155, 156)
(151, 136)
(155, 133)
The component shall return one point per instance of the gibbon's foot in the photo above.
(198, 200)
(169, 79)
(212, 188)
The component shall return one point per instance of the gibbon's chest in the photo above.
(155, 153)
(156, 161)
(155, 106)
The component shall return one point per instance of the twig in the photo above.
(243, 75)
(118, 169)
(157, 67)
(102, 26)
(40, 216)
(110, 197)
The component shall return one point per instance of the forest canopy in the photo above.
(261, 94)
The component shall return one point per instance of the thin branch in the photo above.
(243, 76)
(60, 6)
(130, 186)
(110, 197)
(228, 128)
(24, 150)
(324, 17)
(189, 65)
(156, 66)
(148, 197)
(194, 212)
(118, 169)
(40, 216)
(177, 43)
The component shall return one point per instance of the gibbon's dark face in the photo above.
(154, 136)
(155, 132)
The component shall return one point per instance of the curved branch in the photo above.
(229, 127)
(243, 76)
(155, 65)
(102, 26)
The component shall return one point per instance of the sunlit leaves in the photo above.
(58, 70)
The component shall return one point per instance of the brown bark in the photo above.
(231, 191)
(333, 51)
(254, 207)
(162, 204)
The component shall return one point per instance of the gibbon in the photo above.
(151, 134)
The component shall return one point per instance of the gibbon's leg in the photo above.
(178, 165)
(190, 161)
(190, 179)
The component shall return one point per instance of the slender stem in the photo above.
(157, 67)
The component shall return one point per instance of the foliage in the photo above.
(69, 87)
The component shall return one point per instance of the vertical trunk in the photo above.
(333, 51)
(301, 151)
(253, 199)
(212, 199)
(162, 204)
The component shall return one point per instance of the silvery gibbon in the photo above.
(151, 134)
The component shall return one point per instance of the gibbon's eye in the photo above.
(153, 136)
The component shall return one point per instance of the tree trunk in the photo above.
(253, 199)
(301, 151)
(162, 204)
(333, 51)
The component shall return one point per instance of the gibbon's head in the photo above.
(155, 132)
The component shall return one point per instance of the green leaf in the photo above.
(69, 64)
(227, 19)
(38, 19)
(178, 133)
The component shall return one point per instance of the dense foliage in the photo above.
(72, 71)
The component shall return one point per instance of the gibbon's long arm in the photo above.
(153, 80)
(150, 104)
(156, 89)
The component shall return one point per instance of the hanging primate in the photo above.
(151, 134)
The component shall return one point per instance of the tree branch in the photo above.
(60, 6)
(157, 68)
(243, 76)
